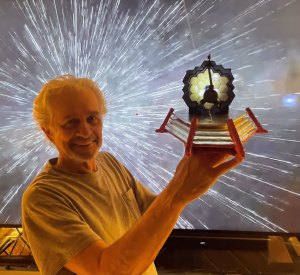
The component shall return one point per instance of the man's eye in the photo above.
(69, 123)
(93, 119)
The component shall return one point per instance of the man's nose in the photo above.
(84, 129)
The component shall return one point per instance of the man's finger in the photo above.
(228, 165)
(213, 150)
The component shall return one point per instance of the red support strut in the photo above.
(190, 139)
(260, 129)
(162, 128)
(238, 146)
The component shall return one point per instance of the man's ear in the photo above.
(48, 133)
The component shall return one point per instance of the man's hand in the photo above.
(197, 173)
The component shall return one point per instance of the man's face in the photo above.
(76, 128)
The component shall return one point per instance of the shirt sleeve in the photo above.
(54, 231)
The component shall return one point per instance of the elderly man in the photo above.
(85, 213)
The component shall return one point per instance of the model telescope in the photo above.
(208, 92)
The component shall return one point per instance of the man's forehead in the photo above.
(67, 104)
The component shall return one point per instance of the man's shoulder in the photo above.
(41, 183)
(44, 177)
(108, 158)
(105, 154)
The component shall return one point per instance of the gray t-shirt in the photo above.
(64, 213)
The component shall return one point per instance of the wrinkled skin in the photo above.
(198, 172)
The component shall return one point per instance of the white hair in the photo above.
(42, 112)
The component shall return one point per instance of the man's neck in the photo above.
(84, 167)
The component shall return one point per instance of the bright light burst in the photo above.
(138, 52)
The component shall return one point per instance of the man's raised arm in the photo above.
(136, 250)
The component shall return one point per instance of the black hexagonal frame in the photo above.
(198, 108)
